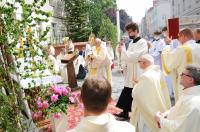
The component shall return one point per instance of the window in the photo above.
(52, 3)
(53, 25)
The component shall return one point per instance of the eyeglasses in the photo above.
(140, 61)
(183, 74)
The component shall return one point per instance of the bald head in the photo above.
(146, 61)
(98, 42)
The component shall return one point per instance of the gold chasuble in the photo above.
(100, 65)
(93, 71)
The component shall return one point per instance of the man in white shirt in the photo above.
(129, 57)
(95, 96)
(185, 115)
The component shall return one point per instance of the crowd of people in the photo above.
(161, 84)
(96, 59)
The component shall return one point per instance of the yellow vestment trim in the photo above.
(188, 54)
(163, 84)
(165, 68)
(93, 71)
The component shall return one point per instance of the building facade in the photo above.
(156, 17)
(56, 23)
(188, 12)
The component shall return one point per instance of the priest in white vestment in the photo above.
(110, 50)
(150, 94)
(52, 62)
(156, 49)
(62, 67)
(172, 45)
(175, 61)
(129, 55)
(99, 62)
(185, 115)
(95, 96)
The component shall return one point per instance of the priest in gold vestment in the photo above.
(99, 62)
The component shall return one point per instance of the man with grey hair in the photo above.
(185, 115)
(150, 94)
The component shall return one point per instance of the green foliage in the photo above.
(101, 24)
(95, 17)
(7, 122)
(108, 31)
(11, 30)
(78, 28)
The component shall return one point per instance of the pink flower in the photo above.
(54, 97)
(71, 99)
(45, 104)
(57, 90)
(74, 94)
(65, 91)
(37, 114)
(39, 103)
(69, 89)
(57, 115)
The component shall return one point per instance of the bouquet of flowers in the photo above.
(54, 101)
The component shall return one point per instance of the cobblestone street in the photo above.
(118, 83)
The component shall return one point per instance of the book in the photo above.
(173, 27)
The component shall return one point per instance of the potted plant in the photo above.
(51, 107)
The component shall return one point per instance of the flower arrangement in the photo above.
(54, 102)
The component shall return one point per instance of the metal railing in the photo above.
(55, 40)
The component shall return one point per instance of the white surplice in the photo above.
(130, 58)
(156, 50)
(102, 123)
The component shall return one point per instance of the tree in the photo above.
(108, 31)
(101, 24)
(77, 20)
(124, 17)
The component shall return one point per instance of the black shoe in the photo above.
(121, 114)
(122, 119)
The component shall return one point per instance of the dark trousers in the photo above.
(125, 99)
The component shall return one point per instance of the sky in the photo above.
(135, 8)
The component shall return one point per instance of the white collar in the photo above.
(190, 42)
(195, 90)
(153, 67)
